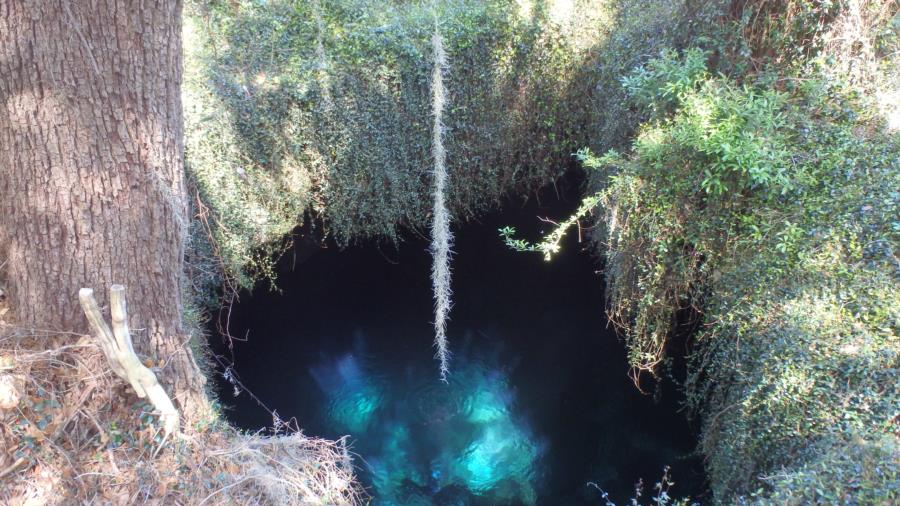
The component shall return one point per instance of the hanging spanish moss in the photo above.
(322, 58)
(441, 236)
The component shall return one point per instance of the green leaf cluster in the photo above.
(770, 215)
(319, 112)
(773, 215)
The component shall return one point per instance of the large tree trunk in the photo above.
(91, 176)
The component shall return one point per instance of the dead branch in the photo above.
(119, 351)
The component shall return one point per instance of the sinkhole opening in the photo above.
(538, 402)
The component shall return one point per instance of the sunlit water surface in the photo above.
(420, 438)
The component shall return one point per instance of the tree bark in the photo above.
(91, 167)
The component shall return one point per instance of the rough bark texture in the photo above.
(91, 175)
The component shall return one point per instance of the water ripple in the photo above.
(436, 403)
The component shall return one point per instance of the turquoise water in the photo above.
(418, 437)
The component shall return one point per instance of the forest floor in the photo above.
(71, 432)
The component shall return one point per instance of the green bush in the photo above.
(691, 181)
(666, 81)
(773, 214)
(776, 214)
(319, 111)
(324, 107)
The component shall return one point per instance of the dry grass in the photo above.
(71, 432)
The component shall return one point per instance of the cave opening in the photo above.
(538, 403)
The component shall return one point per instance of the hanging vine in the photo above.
(441, 236)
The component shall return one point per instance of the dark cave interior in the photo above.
(538, 403)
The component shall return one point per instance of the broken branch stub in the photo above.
(119, 350)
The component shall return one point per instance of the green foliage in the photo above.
(549, 246)
(721, 152)
(735, 134)
(786, 32)
(639, 29)
(775, 213)
(664, 82)
(809, 291)
(325, 106)
(319, 111)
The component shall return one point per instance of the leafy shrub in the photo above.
(665, 82)
(755, 206)
(773, 215)
(690, 178)
(319, 111)
(325, 107)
